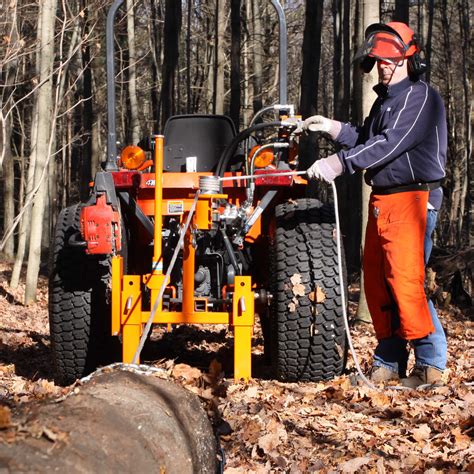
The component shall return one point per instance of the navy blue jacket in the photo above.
(402, 141)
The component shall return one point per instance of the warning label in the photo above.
(175, 207)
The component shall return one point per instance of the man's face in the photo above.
(390, 73)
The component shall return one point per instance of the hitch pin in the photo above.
(243, 306)
(128, 304)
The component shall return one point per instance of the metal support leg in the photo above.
(243, 321)
(131, 317)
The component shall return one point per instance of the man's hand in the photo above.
(318, 123)
(327, 169)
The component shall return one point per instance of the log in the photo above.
(118, 421)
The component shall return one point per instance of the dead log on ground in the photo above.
(117, 422)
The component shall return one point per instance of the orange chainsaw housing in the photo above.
(100, 227)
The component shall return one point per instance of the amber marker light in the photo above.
(264, 158)
(132, 157)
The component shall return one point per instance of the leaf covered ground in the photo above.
(268, 426)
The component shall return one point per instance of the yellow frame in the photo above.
(128, 316)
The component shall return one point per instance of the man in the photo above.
(402, 146)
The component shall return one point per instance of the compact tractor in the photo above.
(200, 225)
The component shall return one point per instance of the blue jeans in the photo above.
(431, 350)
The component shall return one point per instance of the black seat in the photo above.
(202, 136)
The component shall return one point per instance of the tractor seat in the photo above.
(202, 136)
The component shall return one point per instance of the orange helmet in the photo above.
(392, 42)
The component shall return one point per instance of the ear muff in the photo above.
(416, 62)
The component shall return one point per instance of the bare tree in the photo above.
(43, 143)
(219, 62)
(172, 30)
(132, 72)
(370, 14)
(235, 63)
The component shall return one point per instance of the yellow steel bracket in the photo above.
(117, 275)
(131, 317)
(243, 312)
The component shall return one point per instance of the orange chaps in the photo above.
(394, 270)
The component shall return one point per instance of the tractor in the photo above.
(200, 225)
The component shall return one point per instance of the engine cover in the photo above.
(100, 227)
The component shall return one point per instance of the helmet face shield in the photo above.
(385, 46)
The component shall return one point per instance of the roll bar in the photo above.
(111, 161)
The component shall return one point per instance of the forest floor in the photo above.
(268, 426)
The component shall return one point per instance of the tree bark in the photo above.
(235, 63)
(155, 46)
(144, 424)
(310, 75)
(172, 30)
(402, 11)
(9, 29)
(43, 151)
(132, 73)
(370, 15)
(258, 55)
(219, 90)
(348, 186)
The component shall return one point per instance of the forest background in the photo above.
(214, 56)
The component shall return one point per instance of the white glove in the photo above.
(318, 123)
(327, 169)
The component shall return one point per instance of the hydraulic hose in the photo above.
(343, 292)
(362, 377)
(230, 149)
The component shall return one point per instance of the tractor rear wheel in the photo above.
(79, 304)
(307, 328)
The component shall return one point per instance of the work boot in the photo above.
(380, 374)
(423, 376)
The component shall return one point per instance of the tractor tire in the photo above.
(79, 304)
(308, 342)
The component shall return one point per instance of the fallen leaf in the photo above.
(215, 369)
(317, 296)
(186, 372)
(353, 465)
(379, 400)
(251, 392)
(295, 279)
(421, 433)
(269, 442)
(5, 417)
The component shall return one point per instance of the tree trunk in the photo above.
(155, 43)
(258, 55)
(402, 11)
(465, 23)
(221, 16)
(370, 15)
(171, 54)
(235, 64)
(132, 73)
(9, 20)
(144, 424)
(8, 193)
(88, 116)
(43, 151)
(188, 59)
(429, 38)
(30, 181)
(348, 186)
(310, 75)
